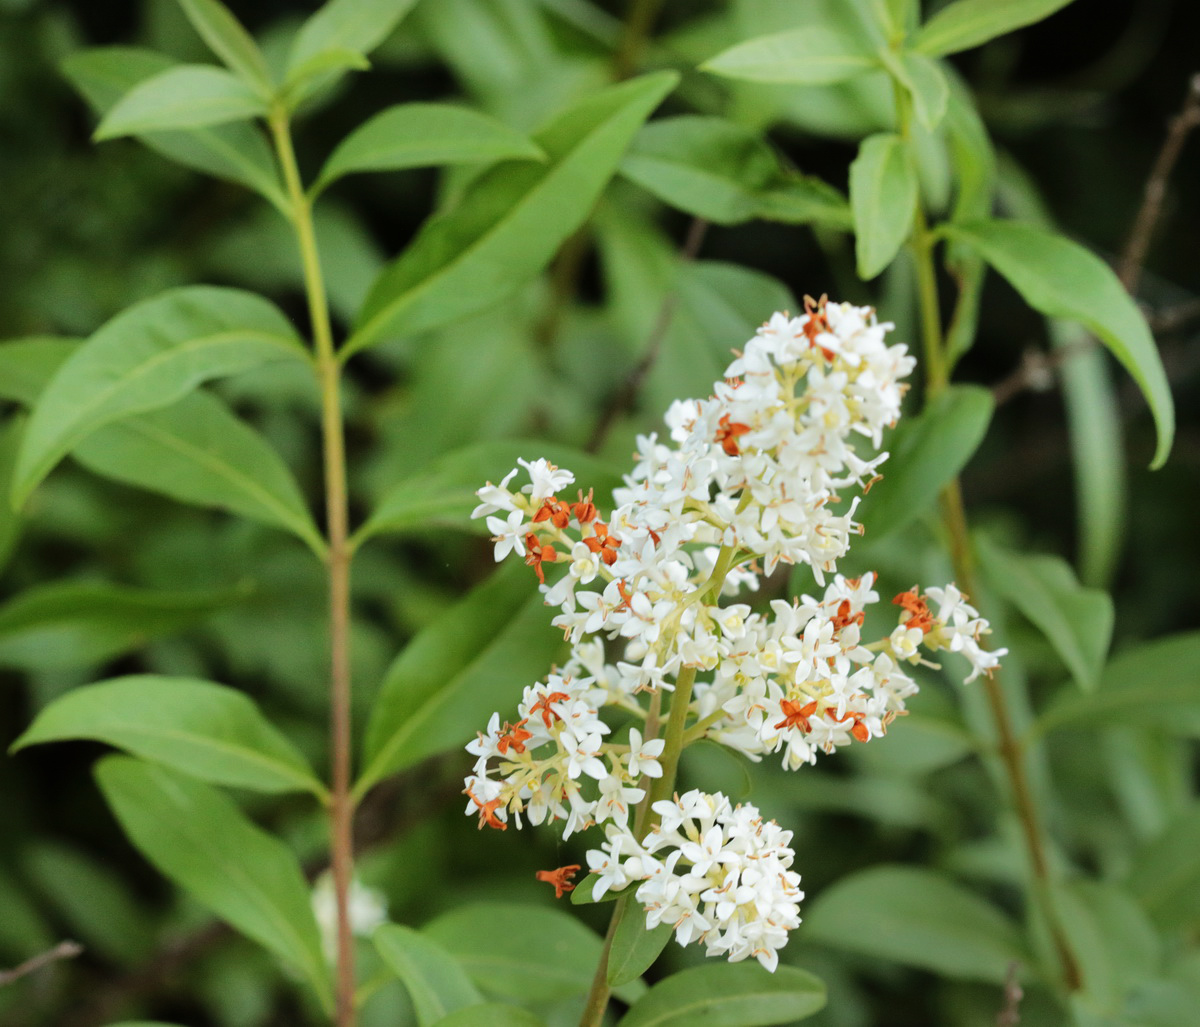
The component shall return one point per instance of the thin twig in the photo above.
(625, 395)
(63, 950)
(1133, 258)
(1010, 1015)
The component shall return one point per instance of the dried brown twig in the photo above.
(63, 950)
(1010, 1015)
(1032, 372)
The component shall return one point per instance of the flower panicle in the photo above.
(750, 478)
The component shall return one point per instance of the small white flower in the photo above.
(643, 756)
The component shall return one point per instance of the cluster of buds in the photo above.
(751, 478)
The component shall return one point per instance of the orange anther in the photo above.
(543, 706)
(560, 878)
(487, 812)
(727, 434)
(843, 617)
(918, 611)
(514, 736)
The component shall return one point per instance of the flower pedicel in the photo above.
(752, 477)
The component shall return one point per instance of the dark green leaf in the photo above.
(227, 38)
(492, 1014)
(358, 25)
(1165, 875)
(1153, 683)
(512, 220)
(69, 624)
(1062, 279)
(1077, 621)
(200, 840)
(442, 494)
(236, 151)
(968, 23)
(186, 96)
(146, 358)
(728, 995)
(474, 659)
(26, 365)
(635, 947)
(207, 730)
(23, 931)
(883, 198)
(916, 917)
(926, 451)
(10, 520)
(582, 894)
(436, 983)
(92, 900)
(546, 954)
(811, 56)
(414, 135)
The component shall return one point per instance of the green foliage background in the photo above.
(910, 859)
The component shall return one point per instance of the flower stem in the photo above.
(341, 807)
(954, 522)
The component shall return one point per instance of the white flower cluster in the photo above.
(750, 481)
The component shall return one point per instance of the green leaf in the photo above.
(237, 151)
(197, 451)
(728, 995)
(436, 984)
(926, 84)
(10, 520)
(187, 96)
(883, 198)
(26, 365)
(1060, 278)
(23, 930)
(442, 494)
(415, 135)
(635, 947)
(916, 917)
(1076, 621)
(709, 167)
(474, 659)
(227, 38)
(145, 358)
(317, 71)
(545, 954)
(203, 729)
(1154, 683)
(811, 56)
(1165, 874)
(583, 892)
(358, 25)
(70, 624)
(200, 840)
(512, 220)
(926, 452)
(968, 23)
(492, 1014)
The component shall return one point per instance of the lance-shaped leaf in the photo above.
(1154, 683)
(967, 23)
(206, 730)
(227, 38)
(512, 220)
(883, 198)
(728, 995)
(812, 56)
(414, 135)
(917, 918)
(1060, 278)
(635, 947)
(199, 839)
(10, 520)
(357, 25)
(492, 1014)
(547, 954)
(236, 151)
(73, 624)
(1077, 621)
(924, 81)
(187, 96)
(436, 983)
(195, 451)
(145, 358)
(474, 659)
(924, 453)
(442, 494)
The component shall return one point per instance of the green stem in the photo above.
(954, 521)
(341, 806)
